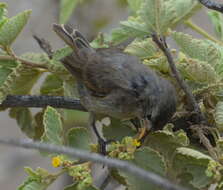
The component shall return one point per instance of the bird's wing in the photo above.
(110, 69)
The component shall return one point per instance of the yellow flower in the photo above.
(136, 143)
(56, 161)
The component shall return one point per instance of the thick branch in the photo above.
(161, 43)
(113, 163)
(212, 5)
(42, 101)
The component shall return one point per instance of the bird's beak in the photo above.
(147, 123)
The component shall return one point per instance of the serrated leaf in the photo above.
(166, 141)
(52, 127)
(19, 81)
(24, 120)
(38, 179)
(31, 184)
(217, 21)
(75, 187)
(183, 9)
(142, 49)
(149, 160)
(129, 29)
(134, 4)
(160, 64)
(157, 14)
(63, 52)
(25, 79)
(52, 85)
(197, 71)
(3, 13)
(12, 27)
(219, 115)
(117, 130)
(202, 50)
(79, 137)
(66, 9)
(190, 161)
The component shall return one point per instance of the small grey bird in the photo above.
(117, 84)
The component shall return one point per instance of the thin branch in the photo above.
(161, 43)
(113, 163)
(212, 5)
(23, 61)
(205, 141)
(42, 101)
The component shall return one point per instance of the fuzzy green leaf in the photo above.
(190, 161)
(160, 64)
(79, 138)
(219, 115)
(217, 21)
(24, 120)
(3, 14)
(129, 29)
(38, 179)
(134, 4)
(197, 71)
(149, 160)
(142, 49)
(52, 85)
(202, 50)
(12, 27)
(166, 141)
(52, 127)
(75, 187)
(63, 52)
(117, 130)
(157, 14)
(19, 81)
(183, 9)
(66, 9)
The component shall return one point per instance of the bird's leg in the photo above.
(101, 142)
(143, 132)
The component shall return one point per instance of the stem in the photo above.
(23, 61)
(200, 31)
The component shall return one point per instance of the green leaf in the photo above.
(190, 161)
(24, 120)
(217, 21)
(202, 50)
(219, 115)
(160, 64)
(63, 52)
(52, 85)
(39, 179)
(183, 9)
(149, 160)
(117, 130)
(12, 27)
(157, 14)
(25, 80)
(134, 4)
(75, 187)
(129, 29)
(3, 13)
(66, 9)
(52, 127)
(142, 48)
(166, 141)
(79, 137)
(197, 71)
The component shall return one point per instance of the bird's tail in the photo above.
(73, 38)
